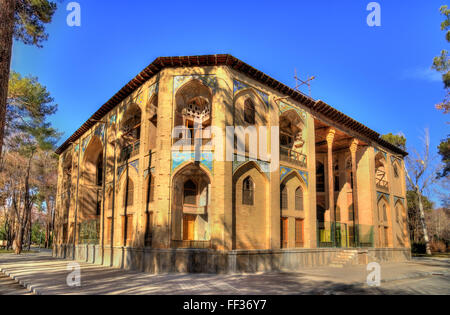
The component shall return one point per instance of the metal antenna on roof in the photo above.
(306, 82)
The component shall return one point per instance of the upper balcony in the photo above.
(292, 156)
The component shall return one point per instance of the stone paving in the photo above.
(43, 274)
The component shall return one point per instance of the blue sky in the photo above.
(378, 75)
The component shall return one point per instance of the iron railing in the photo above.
(344, 235)
(129, 151)
(89, 232)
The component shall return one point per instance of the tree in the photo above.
(414, 225)
(28, 136)
(442, 63)
(397, 140)
(22, 20)
(420, 175)
(444, 152)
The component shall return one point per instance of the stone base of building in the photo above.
(210, 261)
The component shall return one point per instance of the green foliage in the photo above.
(444, 152)
(442, 63)
(397, 140)
(28, 105)
(29, 19)
(413, 202)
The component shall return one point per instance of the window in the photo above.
(299, 233)
(129, 194)
(384, 213)
(190, 193)
(128, 227)
(299, 199)
(249, 111)
(284, 232)
(100, 170)
(396, 174)
(397, 213)
(284, 198)
(248, 191)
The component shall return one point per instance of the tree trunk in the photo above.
(423, 223)
(7, 8)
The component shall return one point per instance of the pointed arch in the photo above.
(250, 99)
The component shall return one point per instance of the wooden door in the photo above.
(188, 227)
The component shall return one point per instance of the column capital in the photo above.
(330, 136)
(354, 145)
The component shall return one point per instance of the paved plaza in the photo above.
(42, 274)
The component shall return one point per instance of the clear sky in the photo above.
(379, 76)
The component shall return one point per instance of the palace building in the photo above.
(130, 197)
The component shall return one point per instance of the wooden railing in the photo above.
(289, 155)
(130, 151)
(382, 184)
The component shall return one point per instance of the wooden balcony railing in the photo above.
(130, 151)
(289, 155)
(382, 184)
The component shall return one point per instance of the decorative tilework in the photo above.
(238, 86)
(239, 160)
(85, 142)
(284, 107)
(378, 150)
(381, 194)
(286, 170)
(113, 119)
(77, 147)
(205, 158)
(154, 88)
(135, 164)
(100, 131)
(207, 79)
(119, 171)
(402, 200)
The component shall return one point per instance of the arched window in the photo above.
(190, 193)
(384, 213)
(284, 197)
(248, 191)
(129, 194)
(99, 170)
(299, 199)
(249, 111)
(110, 200)
(396, 173)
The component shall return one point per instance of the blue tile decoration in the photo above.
(378, 150)
(100, 131)
(284, 107)
(135, 164)
(209, 80)
(120, 171)
(113, 119)
(401, 199)
(77, 147)
(205, 158)
(85, 142)
(153, 89)
(238, 86)
(284, 171)
(381, 194)
(263, 165)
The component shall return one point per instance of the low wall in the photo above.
(210, 261)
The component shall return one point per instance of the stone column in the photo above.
(330, 137)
